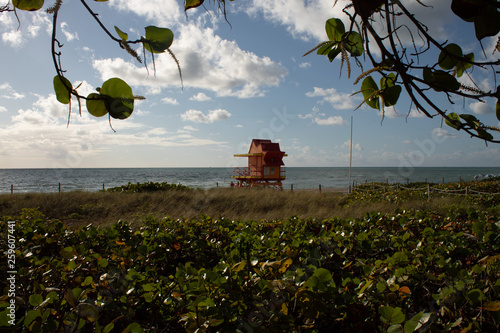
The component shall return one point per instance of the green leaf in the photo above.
(354, 44)
(35, 299)
(325, 49)
(62, 93)
(109, 327)
(475, 296)
(88, 311)
(103, 262)
(497, 109)
(370, 92)
(120, 33)
(450, 57)
(392, 315)
(440, 80)
(157, 40)
(466, 9)
(484, 134)
(192, 4)
(30, 5)
(462, 66)
(335, 29)
(390, 91)
(133, 328)
(412, 324)
(455, 120)
(121, 103)
(96, 105)
(333, 53)
(487, 24)
(30, 316)
(471, 120)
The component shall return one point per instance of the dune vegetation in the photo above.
(153, 258)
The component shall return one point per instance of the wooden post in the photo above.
(466, 191)
(319, 188)
(291, 187)
(217, 184)
(11, 189)
(59, 187)
(103, 188)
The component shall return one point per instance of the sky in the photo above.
(243, 78)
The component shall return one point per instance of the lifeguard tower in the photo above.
(265, 166)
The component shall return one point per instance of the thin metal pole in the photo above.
(350, 160)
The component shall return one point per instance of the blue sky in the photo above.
(241, 81)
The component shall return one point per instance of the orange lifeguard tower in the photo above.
(265, 165)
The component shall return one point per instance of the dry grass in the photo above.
(77, 208)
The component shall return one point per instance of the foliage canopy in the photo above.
(389, 52)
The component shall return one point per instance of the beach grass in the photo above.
(105, 208)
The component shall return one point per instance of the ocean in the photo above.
(93, 180)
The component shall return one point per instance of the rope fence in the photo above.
(429, 190)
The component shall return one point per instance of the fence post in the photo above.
(291, 187)
(59, 187)
(466, 191)
(103, 188)
(319, 188)
(217, 184)
(11, 189)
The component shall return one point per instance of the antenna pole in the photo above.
(350, 159)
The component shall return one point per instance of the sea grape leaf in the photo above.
(455, 123)
(392, 315)
(192, 4)
(157, 40)
(96, 105)
(62, 93)
(487, 24)
(370, 92)
(466, 9)
(414, 323)
(325, 49)
(449, 57)
(88, 311)
(440, 80)
(35, 299)
(462, 66)
(354, 44)
(334, 53)
(497, 109)
(390, 91)
(335, 29)
(30, 5)
(471, 120)
(120, 33)
(121, 103)
(484, 134)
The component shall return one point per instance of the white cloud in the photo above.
(336, 99)
(9, 92)
(305, 65)
(168, 100)
(200, 97)
(69, 36)
(481, 108)
(3, 109)
(208, 62)
(14, 38)
(442, 133)
(302, 19)
(212, 116)
(332, 120)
